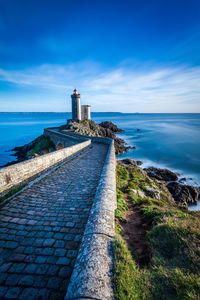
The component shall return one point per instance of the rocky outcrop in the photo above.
(139, 162)
(111, 126)
(21, 152)
(131, 162)
(41, 145)
(181, 193)
(105, 129)
(152, 192)
(184, 194)
(128, 161)
(161, 174)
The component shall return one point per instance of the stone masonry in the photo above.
(41, 229)
(20, 172)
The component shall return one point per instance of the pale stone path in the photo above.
(41, 229)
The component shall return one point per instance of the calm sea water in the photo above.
(164, 140)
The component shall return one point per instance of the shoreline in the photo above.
(191, 178)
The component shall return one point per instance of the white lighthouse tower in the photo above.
(76, 107)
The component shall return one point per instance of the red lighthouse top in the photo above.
(75, 92)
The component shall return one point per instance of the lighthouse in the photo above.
(76, 107)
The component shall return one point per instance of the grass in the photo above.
(174, 240)
(130, 282)
(12, 192)
(121, 206)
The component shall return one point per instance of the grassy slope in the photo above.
(43, 143)
(174, 272)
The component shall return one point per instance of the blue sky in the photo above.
(129, 56)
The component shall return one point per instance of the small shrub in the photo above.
(121, 203)
(132, 185)
(142, 201)
(119, 215)
(122, 173)
(151, 214)
(158, 202)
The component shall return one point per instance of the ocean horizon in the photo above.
(165, 140)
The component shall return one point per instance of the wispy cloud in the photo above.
(164, 89)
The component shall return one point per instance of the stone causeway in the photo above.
(41, 228)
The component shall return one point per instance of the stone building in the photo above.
(85, 112)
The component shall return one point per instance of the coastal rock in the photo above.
(139, 193)
(128, 161)
(41, 145)
(182, 180)
(139, 162)
(185, 194)
(105, 129)
(152, 192)
(161, 174)
(111, 126)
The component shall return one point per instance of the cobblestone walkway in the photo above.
(41, 229)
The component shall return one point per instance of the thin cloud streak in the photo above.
(166, 89)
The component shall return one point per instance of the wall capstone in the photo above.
(92, 274)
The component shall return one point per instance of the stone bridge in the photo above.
(60, 140)
(56, 233)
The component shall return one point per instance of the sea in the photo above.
(162, 140)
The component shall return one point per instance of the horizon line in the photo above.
(99, 112)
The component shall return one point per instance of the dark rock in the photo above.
(139, 162)
(161, 174)
(119, 146)
(183, 180)
(184, 194)
(138, 129)
(128, 161)
(111, 126)
(22, 152)
(152, 192)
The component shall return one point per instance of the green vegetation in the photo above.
(43, 144)
(130, 282)
(121, 206)
(12, 192)
(174, 241)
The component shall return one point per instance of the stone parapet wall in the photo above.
(53, 133)
(16, 174)
(92, 274)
